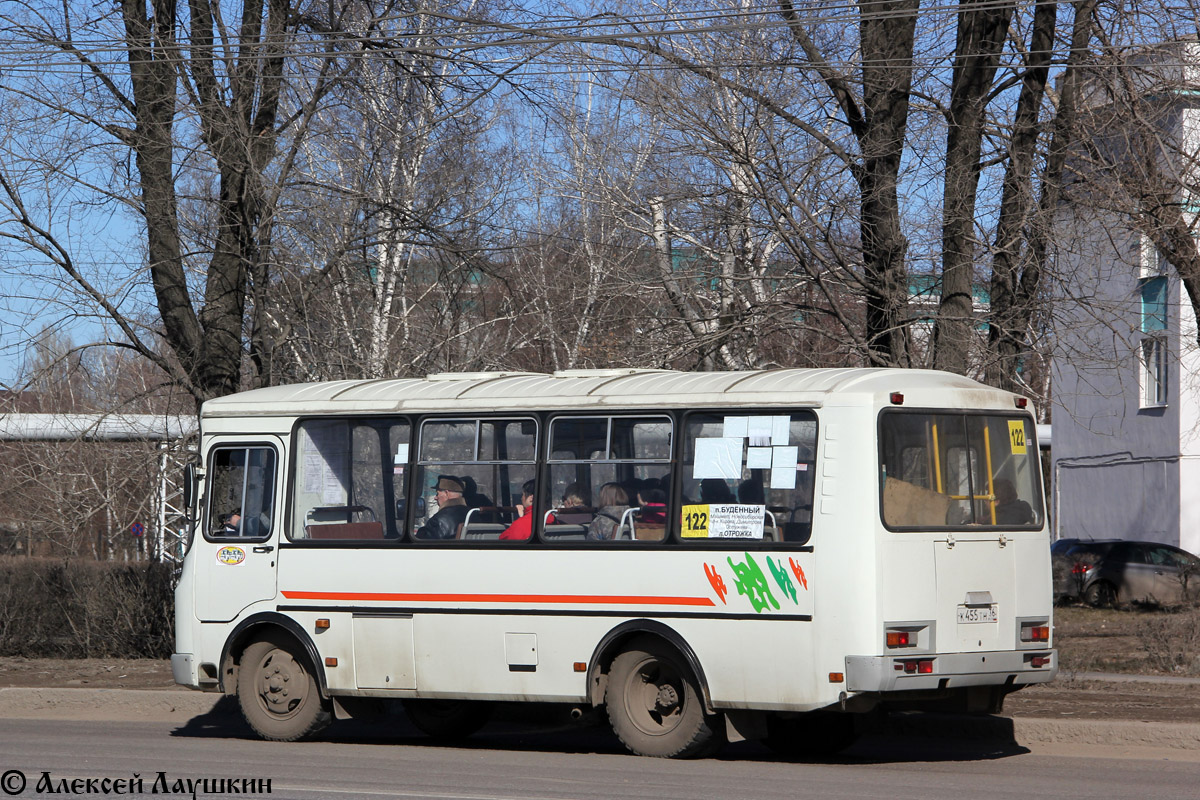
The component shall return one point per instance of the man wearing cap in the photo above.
(452, 510)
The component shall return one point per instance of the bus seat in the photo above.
(345, 530)
(486, 521)
(650, 533)
(338, 522)
(564, 533)
(484, 532)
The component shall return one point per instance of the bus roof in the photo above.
(616, 388)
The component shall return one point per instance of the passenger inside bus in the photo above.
(612, 502)
(653, 502)
(452, 510)
(471, 494)
(522, 527)
(1010, 509)
(575, 508)
(716, 490)
(231, 523)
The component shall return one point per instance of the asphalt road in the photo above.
(515, 760)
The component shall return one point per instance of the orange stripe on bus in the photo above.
(582, 599)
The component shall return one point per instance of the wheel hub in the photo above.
(277, 687)
(667, 699)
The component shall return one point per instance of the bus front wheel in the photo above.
(278, 693)
(654, 705)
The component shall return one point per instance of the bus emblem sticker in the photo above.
(751, 581)
(718, 583)
(231, 556)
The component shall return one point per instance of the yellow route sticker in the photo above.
(1016, 436)
(695, 522)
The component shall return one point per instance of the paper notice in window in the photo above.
(401, 453)
(314, 468)
(760, 431)
(735, 427)
(781, 428)
(332, 490)
(783, 467)
(718, 458)
(758, 458)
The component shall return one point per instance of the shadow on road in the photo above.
(549, 729)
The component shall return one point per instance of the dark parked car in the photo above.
(1103, 572)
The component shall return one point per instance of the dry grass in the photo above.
(1146, 641)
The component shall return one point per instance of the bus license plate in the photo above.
(968, 614)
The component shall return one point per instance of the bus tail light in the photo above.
(1035, 633)
(916, 635)
(1039, 661)
(915, 666)
(897, 398)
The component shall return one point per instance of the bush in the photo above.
(85, 609)
(1171, 642)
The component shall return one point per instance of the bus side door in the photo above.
(235, 565)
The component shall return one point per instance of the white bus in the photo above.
(709, 557)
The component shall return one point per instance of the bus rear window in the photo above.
(951, 470)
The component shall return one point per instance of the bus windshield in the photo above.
(954, 470)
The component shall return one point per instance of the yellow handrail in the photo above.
(987, 451)
(937, 460)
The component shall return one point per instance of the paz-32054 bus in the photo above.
(707, 556)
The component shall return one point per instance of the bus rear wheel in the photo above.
(816, 734)
(278, 693)
(654, 706)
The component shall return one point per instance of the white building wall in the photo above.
(1189, 381)
(1122, 469)
(1116, 462)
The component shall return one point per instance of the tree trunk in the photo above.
(982, 29)
(887, 29)
(1013, 272)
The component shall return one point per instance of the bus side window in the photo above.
(610, 479)
(491, 459)
(749, 476)
(350, 479)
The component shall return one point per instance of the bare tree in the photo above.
(200, 90)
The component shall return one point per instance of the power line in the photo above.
(592, 30)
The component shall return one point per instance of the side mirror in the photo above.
(190, 482)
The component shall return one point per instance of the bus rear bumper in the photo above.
(949, 670)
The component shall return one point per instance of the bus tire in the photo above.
(277, 692)
(816, 734)
(654, 705)
(447, 720)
